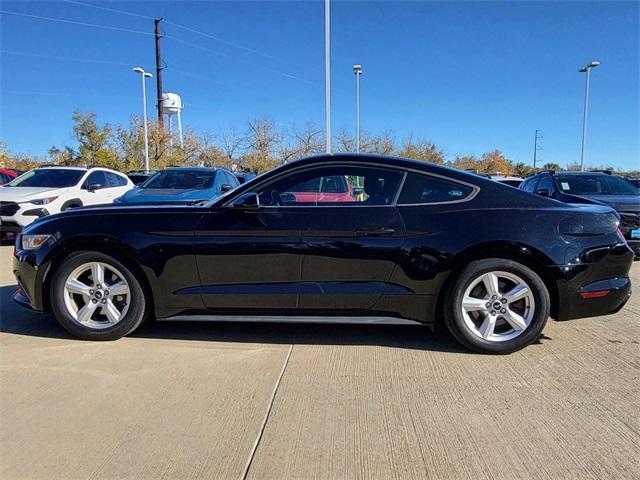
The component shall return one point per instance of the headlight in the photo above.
(31, 242)
(42, 201)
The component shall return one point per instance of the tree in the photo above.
(521, 169)
(94, 146)
(230, 142)
(495, 162)
(304, 141)
(551, 166)
(262, 142)
(424, 150)
(465, 162)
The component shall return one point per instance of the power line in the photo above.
(192, 30)
(58, 57)
(109, 27)
(109, 9)
(84, 24)
(200, 47)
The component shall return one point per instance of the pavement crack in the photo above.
(256, 443)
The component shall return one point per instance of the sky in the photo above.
(469, 76)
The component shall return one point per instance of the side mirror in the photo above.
(225, 187)
(543, 192)
(94, 186)
(247, 201)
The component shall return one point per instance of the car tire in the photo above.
(109, 315)
(496, 306)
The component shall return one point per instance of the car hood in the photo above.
(621, 203)
(24, 194)
(164, 195)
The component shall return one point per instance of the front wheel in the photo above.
(96, 297)
(497, 306)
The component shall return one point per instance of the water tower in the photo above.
(172, 105)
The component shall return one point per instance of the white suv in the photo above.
(49, 190)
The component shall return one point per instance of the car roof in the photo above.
(195, 169)
(391, 161)
(61, 167)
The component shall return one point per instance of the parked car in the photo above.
(510, 180)
(45, 191)
(634, 181)
(244, 177)
(601, 188)
(423, 243)
(185, 185)
(140, 176)
(6, 176)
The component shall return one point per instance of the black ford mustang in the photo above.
(355, 238)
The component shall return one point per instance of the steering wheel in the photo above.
(276, 198)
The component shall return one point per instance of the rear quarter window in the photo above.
(420, 188)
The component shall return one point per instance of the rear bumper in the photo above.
(598, 285)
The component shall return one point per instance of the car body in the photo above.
(181, 185)
(244, 176)
(510, 180)
(140, 176)
(48, 190)
(6, 176)
(406, 248)
(597, 187)
(634, 181)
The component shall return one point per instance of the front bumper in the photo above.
(9, 226)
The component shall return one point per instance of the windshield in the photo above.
(48, 177)
(181, 180)
(596, 185)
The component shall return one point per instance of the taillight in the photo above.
(595, 294)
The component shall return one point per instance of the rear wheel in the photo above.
(96, 297)
(497, 306)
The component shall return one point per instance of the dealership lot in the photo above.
(190, 400)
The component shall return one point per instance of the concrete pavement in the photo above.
(180, 400)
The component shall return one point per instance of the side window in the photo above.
(545, 184)
(333, 186)
(113, 180)
(420, 188)
(530, 185)
(95, 178)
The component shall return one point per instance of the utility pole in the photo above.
(535, 148)
(159, 68)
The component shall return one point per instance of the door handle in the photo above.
(373, 231)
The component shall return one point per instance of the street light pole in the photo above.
(144, 75)
(586, 69)
(357, 69)
(327, 73)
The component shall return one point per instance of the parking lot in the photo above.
(221, 400)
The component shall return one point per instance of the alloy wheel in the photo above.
(96, 295)
(498, 306)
